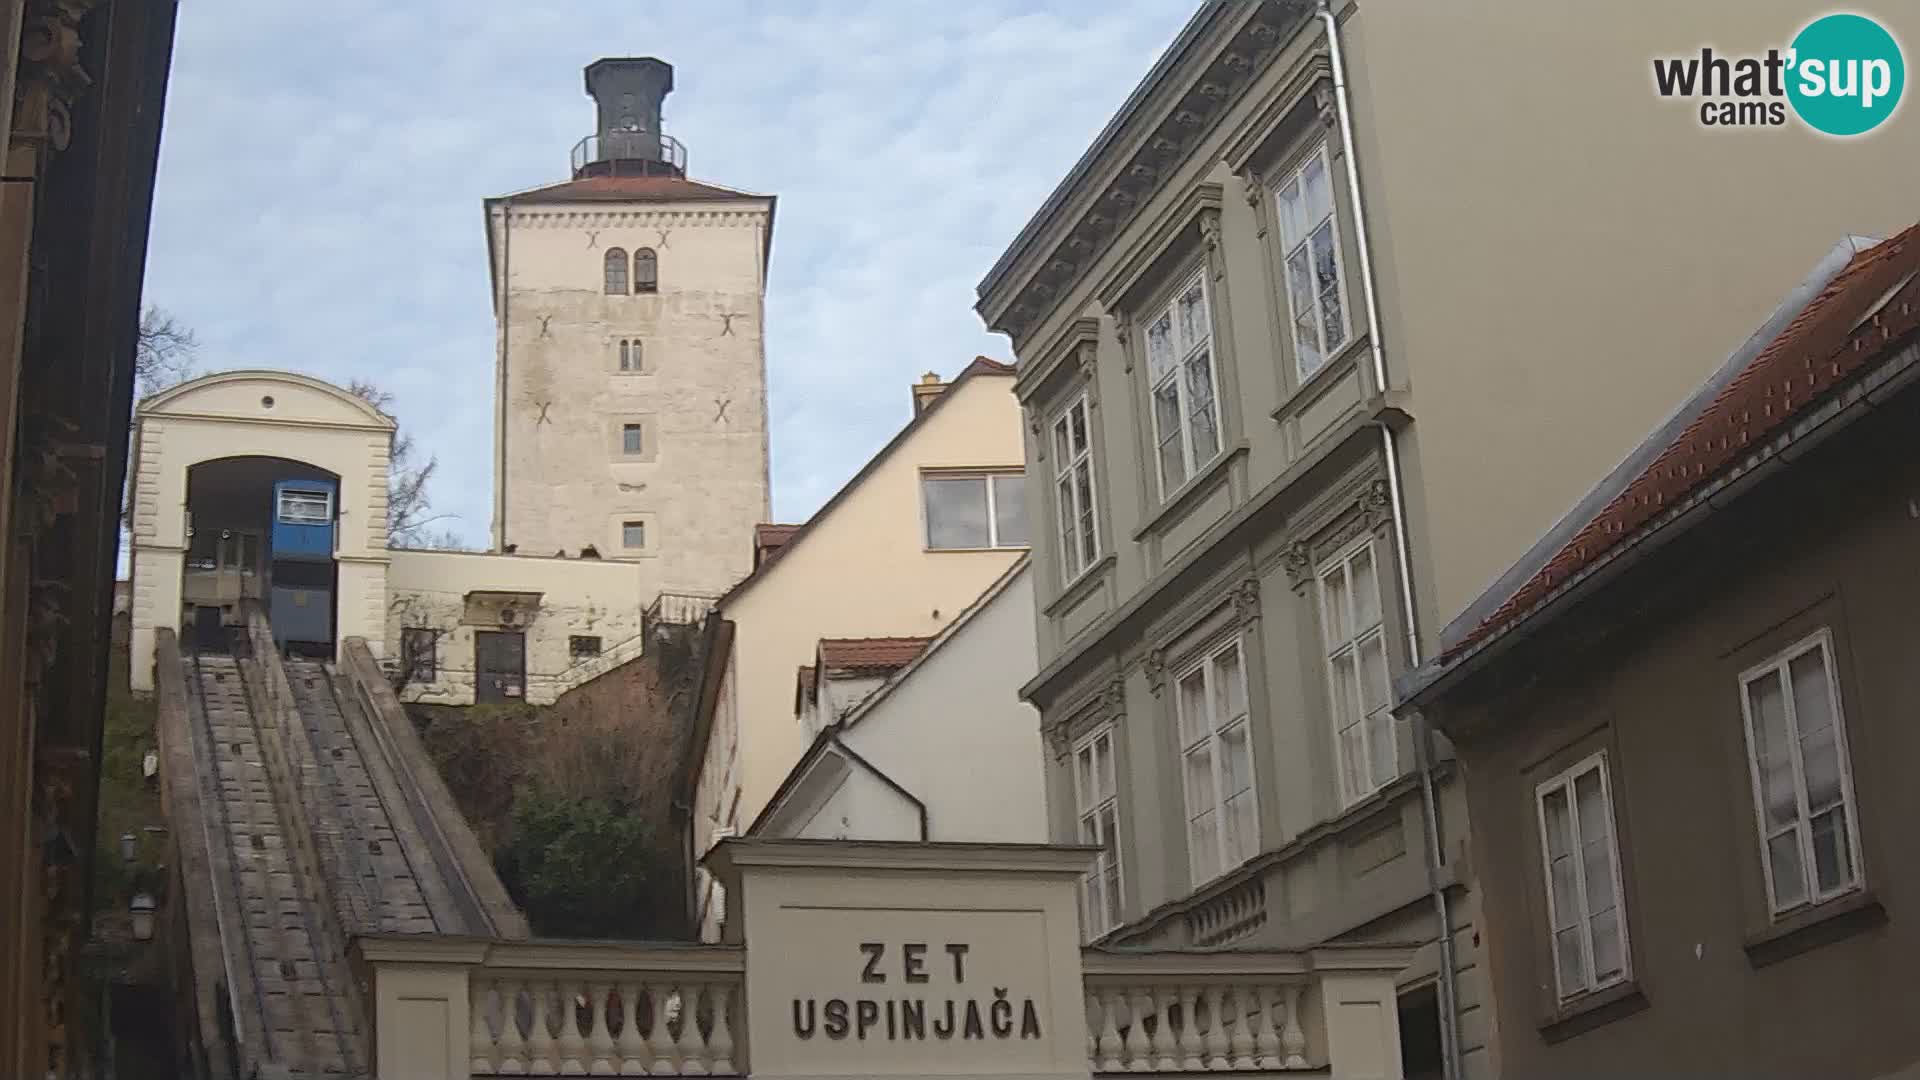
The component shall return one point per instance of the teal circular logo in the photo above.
(1846, 74)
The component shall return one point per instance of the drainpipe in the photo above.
(1422, 734)
(500, 379)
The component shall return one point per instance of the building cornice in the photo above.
(737, 853)
(1170, 114)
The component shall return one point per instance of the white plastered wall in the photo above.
(584, 597)
(256, 414)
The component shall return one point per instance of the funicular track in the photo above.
(298, 979)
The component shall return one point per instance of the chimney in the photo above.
(924, 391)
(627, 92)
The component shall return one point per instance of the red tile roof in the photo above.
(1824, 344)
(870, 654)
(629, 189)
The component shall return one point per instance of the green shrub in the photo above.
(579, 865)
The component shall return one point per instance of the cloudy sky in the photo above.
(322, 169)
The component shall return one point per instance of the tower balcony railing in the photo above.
(629, 153)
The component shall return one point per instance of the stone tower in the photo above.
(630, 401)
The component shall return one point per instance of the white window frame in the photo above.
(1296, 176)
(639, 436)
(1089, 806)
(1182, 355)
(1564, 781)
(1332, 651)
(306, 496)
(1197, 871)
(1780, 663)
(987, 477)
(642, 545)
(1079, 522)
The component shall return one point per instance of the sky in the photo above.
(322, 168)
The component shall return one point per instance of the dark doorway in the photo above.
(209, 636)
(499, 666)
(1420, 1054)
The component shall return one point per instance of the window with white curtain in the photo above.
(1586, 914)
(1180, 370)
(1073, 490)
(1802, 780)
(1310, 242)
(1358, 684)
(1216, 769)
(1096, 798)
(980, 510)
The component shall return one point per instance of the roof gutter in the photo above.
(1448, 989)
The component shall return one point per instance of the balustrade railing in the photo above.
(1170, 1013)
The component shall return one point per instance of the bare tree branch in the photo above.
(408, 505)
(163, 353)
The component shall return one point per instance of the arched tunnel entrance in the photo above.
(261, 529)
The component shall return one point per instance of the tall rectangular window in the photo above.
(982, 510)
(1310, 238)
(633, 534)
(630, 438)
(1073, 490)
(1352, 628)
(418, 647)
(1096, 798)
(1585, 910)
(1186, 413)
(1216, 770)
(1802, 780)
(630, 355)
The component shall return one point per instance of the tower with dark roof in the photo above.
(630, 378)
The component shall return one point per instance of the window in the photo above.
(1582, 864)
(646, 271)
(301, 507)
(418, 648)
(616, 272)
(1073, 485)
(629, 354)
(630, 438)
(583, 647)
(1186, 415)
(984, 510)
(1217, 764)
(1802, 782)
(633, 534)
(1310, 239)
(1358, 685)
(1097, 798)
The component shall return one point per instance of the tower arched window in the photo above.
(616, 272)
(646, 271)
(630, 354)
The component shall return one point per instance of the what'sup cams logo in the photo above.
(1842, 75)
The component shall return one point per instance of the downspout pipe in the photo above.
(1448, 985)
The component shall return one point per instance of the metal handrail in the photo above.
(629, 145)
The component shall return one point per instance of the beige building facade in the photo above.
(1310, 350)
(207, 456)
(630, 412)
(869, 563)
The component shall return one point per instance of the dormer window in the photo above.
(616, 272)
(646, 271)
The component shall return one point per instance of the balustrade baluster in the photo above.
(1242, 1035)
(1293, 1041)
(693, 1054)
(1110, 1031)
(660, 1037)
(1139, 1050)
(1164, 1046)
(479, 1039)
(1217, 1028)
(540, 1056)
(720, 1043)
(632, 1047)
(513, 1045)
(1190, 1046)
(599, 1037)
(1266, 1044)
(572, 1048)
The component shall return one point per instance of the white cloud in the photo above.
(322, 168)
